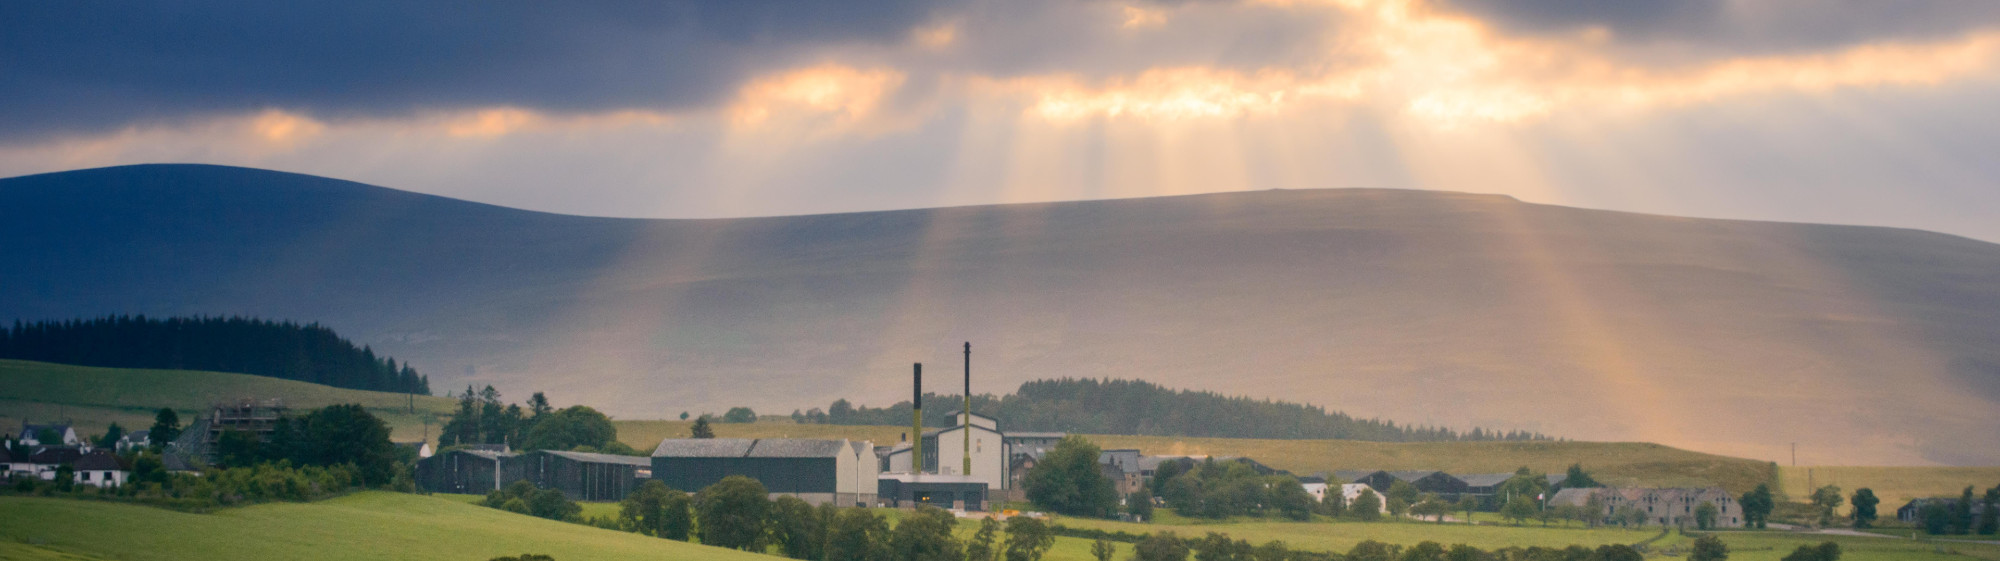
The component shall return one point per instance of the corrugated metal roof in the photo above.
(602, 458)
(703, 447)
(752, 448)
(1485, 479)
(1412, 475)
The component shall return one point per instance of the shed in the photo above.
(585, 476)
(467, 471)
(842, 472)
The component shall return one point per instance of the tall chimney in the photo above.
(917, 420)
(967, 411)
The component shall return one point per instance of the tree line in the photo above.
(307, 353)
(482, 418)
(1138, 407)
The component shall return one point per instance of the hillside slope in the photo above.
(92, 398)
(1864, 345)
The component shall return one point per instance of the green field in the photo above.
(1894, 485)
(92, 398)
(1619, 463)
(369, 525)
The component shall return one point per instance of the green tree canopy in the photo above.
(1367, 506)
(926, 535)
(1709, 548)
(1069, 481)
(1578, 479)
(798, 528)
(732, 513)
(569, 428)
(166, 427)
(654, 509)
(1864, 507)
(701, 428)
(857, 535)
(1290, 498)
(1757, 505)
(739, 415)
(1160, 546)
(1027, 539)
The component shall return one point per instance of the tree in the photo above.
(1140, 504)
(797, 528)
(1291, 499)
(926, 535)
(857, 535)
(553, 505)
(1028, 538)
(654, 509)
(1757, 505)
(1367, 506)
(1961, 513)
(1827, 551)
(1827, 499)
(1102, 549)
(111, 436)
(166, 427)
(1518, 509)
(701, 429)
(1704, 515)
(1578, 479)
(981, 548)
(238, 448)
(1709, 548)
(1273, 550)
(732, 513)
(1864, 507)
(1218, 547)
(1371, 550)
(1594, 510)
(148, 468)
(1069, 481)
(538, 405)
(1990, 504)
(1397, 508)
(739, 415)
(1160, 546)
(1424, 551)
(65, 480)
(1466, 504)
(1400, 489)
(1617, 552)
(1936, 517)
(569, 428)
(1431, 505)
(336, 435)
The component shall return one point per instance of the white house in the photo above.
(99, 468)
(31, 435)
(1315, 486)
(132, 441)
(1351, 491)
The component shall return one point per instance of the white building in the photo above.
(945, 451)
(31, 435)
(1315, 486)
(1351, 491)
(100, 469)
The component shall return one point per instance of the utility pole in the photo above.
(917, 419)
(1795, 454)
(968, 408)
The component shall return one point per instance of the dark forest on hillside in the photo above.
(1137, 407)
(307, 353)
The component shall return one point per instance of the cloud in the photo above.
(1692, 30)
(86, 67)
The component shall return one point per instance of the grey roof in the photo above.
(176, 461)
(1572, 497)
(1413, 474)
(1028, 435)
(1485, 479)
(601, 458)
(1352, 475)
(862, 447)
(488, 454)
(749, 448)
(98, 460)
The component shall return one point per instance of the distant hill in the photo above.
(308, 353)
(1863, 345)
(93, 398)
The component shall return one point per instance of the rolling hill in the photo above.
(93, 398)
(1864, 345)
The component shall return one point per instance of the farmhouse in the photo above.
(63, 435)
(840, 472)
(99, 469)
(1315, 486)
(1913, 511)
(584, 476)
(133, 441)
(467, 471)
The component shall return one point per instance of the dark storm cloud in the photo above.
(1693, 29)
(70, 66)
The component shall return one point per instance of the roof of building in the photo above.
(595, 458)
(750, 448)
(97, 460)
(1414, 474)
(1485, 479)
(1312, 480)
(488, 454)
(55, 455)
(177, 461)
(1571, 497)
(930, 478)
(1029, 435)
(6, 454)
(1352, 475)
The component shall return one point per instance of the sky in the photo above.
(1840, 111)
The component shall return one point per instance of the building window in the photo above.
(86, 476)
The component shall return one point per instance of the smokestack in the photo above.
(967, 411)
(917, 420)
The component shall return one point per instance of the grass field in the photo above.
(1622, 463)
(93, 398)
(1894, 485)
(370, 525)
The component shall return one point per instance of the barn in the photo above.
(584, 476)
(468, 471)
(840, 472)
